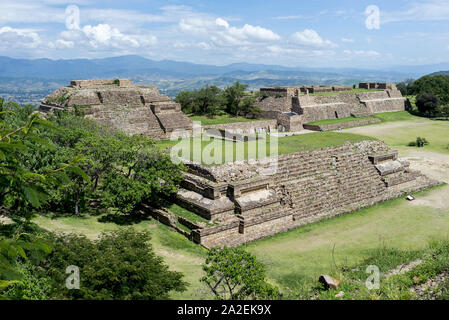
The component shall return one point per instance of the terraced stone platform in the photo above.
(121, 105)
(245, 203)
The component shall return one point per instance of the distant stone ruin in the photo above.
(293, 107)
(122, 105)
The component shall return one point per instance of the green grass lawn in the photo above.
(237, 151)
(180, 211)
(343, 92)
(340, 120)
(221, 119)
(396, 116)
(400, 128)
(296, 259)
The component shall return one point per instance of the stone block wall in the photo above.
(342, 125)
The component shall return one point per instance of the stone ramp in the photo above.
(174, 120)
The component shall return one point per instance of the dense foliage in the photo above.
(232, 273)
(213, 101)
(437, 85)
(69, 164)
(118, 171)
(428, 104)
(120, 265)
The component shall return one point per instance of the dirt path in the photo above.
(373, 130)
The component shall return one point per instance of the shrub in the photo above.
(120, 265)
(420, 142)
(428, 104)
(437, 85)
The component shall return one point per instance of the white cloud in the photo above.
(61, 44)
(222, 34)
(433, 10)
(364, 53)
(347, 40)
(103, 36)
(310, 38)
(18, 38)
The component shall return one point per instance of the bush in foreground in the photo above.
(120, 265)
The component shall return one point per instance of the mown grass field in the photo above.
(339, 120)
(212, 151)
(342, 92)
(400, 128)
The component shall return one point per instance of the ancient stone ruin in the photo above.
(121, 105)
(250, 200)
(246, 201)
(293, 107)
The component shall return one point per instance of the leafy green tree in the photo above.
(248, 108)
(120, 265)
(234, 96)
(21, 189)
(405, 87)
(187, 101)
(148, 176)
(437, 85)
(444, 111)
(209, 100)
(236, 274)
(428, 104)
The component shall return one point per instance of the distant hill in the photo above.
(23, 78)
(439, 72)
(133, 66)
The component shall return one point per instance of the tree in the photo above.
(247, 107)
(148, 176)
(236, 274)
(120, 265)
(187, 101)
(428, 104)
(234, 95)
(437, 85)
(405, 86)
(22, 190)
(444, 111)
(209, 100)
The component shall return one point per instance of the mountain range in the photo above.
(44, 75)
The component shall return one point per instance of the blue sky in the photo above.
(292, 33)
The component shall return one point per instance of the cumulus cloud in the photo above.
(18, 38)
(61, 44)
(223, 34)
(103, 36)
(310, 38)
